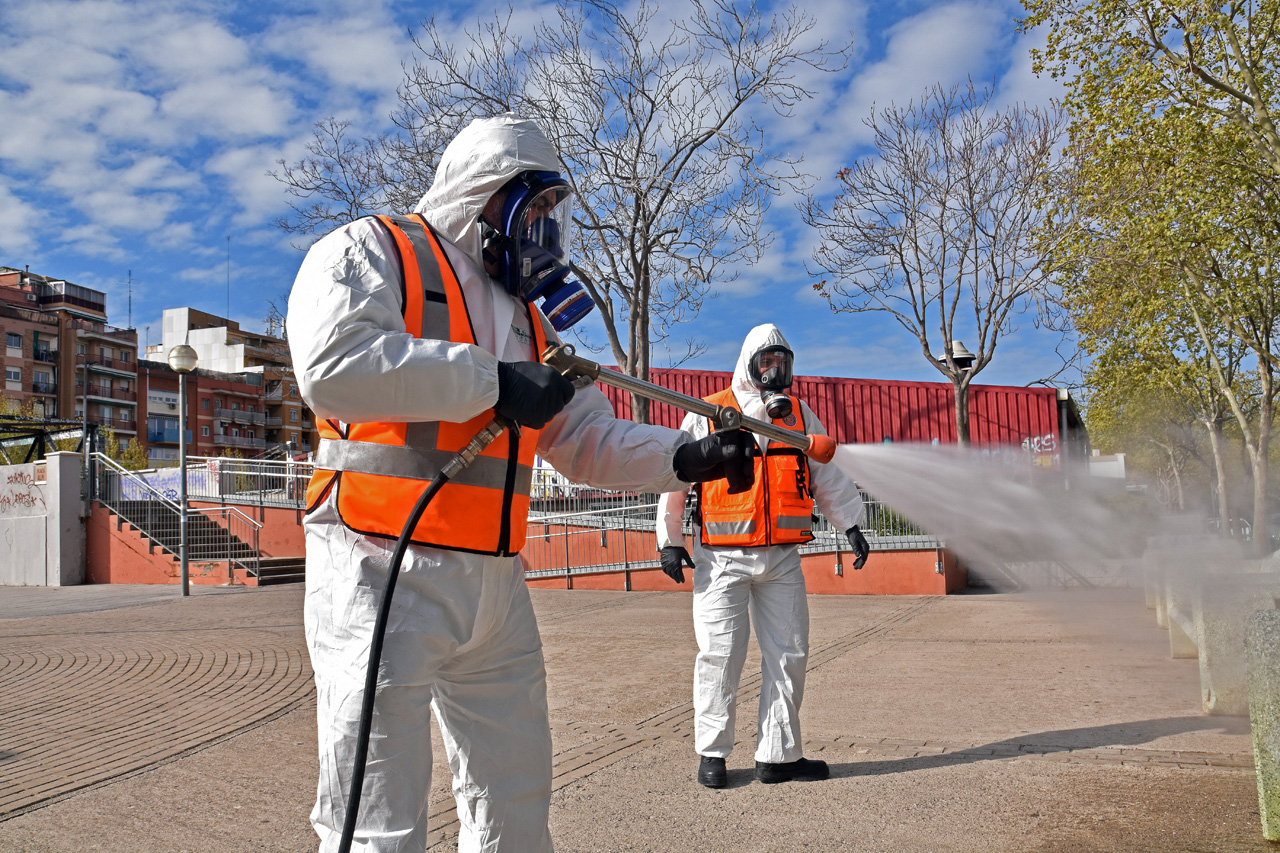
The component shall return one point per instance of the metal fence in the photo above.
(574, 529)
(227, 480)
(213, 534)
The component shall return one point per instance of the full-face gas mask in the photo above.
(528, 247)
(771, 373)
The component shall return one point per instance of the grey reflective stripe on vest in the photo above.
(731, 528)
(435, 313)
(367, 457)
(793, 522)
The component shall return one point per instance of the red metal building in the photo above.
(1043, 421)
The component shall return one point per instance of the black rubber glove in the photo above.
(531, 393)
(721, 455)
(674, 558)
(858, 542)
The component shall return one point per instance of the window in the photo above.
(124, 385)
(250, 408)
(293, 416)
(80, 349)
(293, 390)
(204, 404)
(13, 379)
(124, 356)
(293, 439)
(235, 405)
(13, 340)
(204, 431)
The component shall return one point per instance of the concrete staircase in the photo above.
(205, 539)
(280, 570)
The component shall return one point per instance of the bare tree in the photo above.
(652, 118)
(945, 217)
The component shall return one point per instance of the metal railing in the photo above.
(226, 534)
(239, 441)
(574, 530)
(240, 415)
(259, 482)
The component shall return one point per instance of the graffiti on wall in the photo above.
(21, 495)
(1043, 449)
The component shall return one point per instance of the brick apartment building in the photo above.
(248, 397)
(61, 355)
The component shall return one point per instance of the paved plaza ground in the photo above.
(132, 719)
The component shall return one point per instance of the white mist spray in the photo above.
(993, 507)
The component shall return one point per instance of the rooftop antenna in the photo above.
(228, 278)
(130, 326)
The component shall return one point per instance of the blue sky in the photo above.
(138, 136)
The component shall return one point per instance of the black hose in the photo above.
(375, 657)
(463, 458)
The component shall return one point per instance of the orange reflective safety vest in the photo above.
(379, 470)
(776, 510)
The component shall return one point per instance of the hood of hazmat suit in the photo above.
(745, 391)
(475, 165)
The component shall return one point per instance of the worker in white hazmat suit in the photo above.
(408, 334)
(746, 567)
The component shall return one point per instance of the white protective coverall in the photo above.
(733, 586)
(461, 636)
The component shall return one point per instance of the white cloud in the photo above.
(17, 217)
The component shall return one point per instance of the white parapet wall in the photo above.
(41, 530)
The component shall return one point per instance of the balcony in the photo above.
(275, 394)
(91, 329)
(45, 355)
(239, 441)
(117, 424)
(165, 436)
(110, 393)
(240, 416)
(43, 388)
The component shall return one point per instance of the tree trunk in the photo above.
(961, 389)
(1220, 473)
(639, 408)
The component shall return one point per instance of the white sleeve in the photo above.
(670, 522)
(837, 496)
(352, 355)
(589, 444)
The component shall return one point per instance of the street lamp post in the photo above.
(182, 359)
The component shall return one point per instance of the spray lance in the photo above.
(582, 372)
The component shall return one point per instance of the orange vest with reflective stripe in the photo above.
(776, 510)
(379, 470)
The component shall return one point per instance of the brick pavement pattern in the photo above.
(91, 697)
(133, 719)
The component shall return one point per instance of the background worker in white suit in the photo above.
(746, 567)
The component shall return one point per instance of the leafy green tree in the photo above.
(1216, 61)
(1180, 219)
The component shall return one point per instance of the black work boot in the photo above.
(711, 772)
(800, 770)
